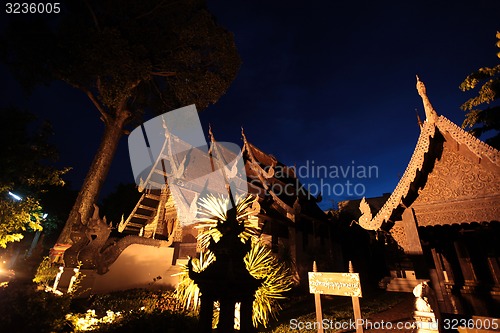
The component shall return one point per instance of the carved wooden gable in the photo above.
(462, 187)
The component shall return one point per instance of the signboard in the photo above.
(340, 284)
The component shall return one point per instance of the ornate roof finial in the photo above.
(243, 135)
(430, 114)
(210, 133)
(419, 121)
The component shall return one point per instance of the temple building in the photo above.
(291, 221)
(154, 242)
(442, 221)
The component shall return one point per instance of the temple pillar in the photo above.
(440, 289)
(469, 289)
(414, 250)
(495, 274)
(413, 246)
(452, 303)
(470, 279)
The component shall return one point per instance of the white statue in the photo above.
(73, 279)
(58, 277)
(421, 291)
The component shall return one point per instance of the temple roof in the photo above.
(269, 177)
(277, 186)
(434, 132)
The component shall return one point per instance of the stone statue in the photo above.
(422, 303)
(226, 279)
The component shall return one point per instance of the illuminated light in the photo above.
(44, 216)
(89, 321)
(15, 196)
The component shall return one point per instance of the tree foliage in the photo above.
(125, 53)
(482, 115)
(45, 273)
(126, 56)
(24, 170)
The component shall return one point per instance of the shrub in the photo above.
(23, 308)
(45, 273)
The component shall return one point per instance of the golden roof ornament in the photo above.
(243, 135)
(430, 114)
(419, 121)
(366, 214)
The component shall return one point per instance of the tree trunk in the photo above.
(84, 206)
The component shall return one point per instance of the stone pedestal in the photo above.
(426, 322)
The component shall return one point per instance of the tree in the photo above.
(127, 57)
(23, 171)
(484, 120)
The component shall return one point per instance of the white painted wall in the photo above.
(136, 267)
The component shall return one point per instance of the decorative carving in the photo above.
(97, 232)
(456, 176)
(475, 145)
(446, 184)
(399, 235)
(415, 165)
(430, 114)
(366, 212)
(79, 240)
(262, 176)
(459, 211)
(270, 173)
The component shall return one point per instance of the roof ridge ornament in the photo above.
(243, 136)
(430, 114)
(210, 133)
(419, 121)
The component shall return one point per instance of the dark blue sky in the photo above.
(320, 81)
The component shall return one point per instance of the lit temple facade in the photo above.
(443, 218)
(154, 243)
(292, 223)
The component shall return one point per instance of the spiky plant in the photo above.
(259, 261)
(262, 264)
(187, 292)
(214, 209)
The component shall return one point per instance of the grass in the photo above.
(24, 309)
(334, 308)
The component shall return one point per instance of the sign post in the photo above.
(355, 306)
(317, 303)
(340, 284)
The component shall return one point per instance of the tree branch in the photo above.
(158, 6)
(96, 103)
(94, 17)
(165, 74)
(123, 102)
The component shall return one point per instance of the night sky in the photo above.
(321, 81)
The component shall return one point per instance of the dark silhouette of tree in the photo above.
(486, 119)
(120, 203)
(126, 56)
(25, 171)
